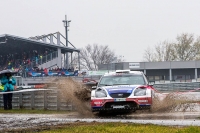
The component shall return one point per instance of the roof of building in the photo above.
(13, 43)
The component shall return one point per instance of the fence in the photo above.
(167, 87)
(41, 99)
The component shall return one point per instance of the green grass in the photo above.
(29, 111)
(121, 128)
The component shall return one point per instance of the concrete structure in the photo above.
(171, 71)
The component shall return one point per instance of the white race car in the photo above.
(123, 90)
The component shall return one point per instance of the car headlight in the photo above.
(140, 92)
(100, 93)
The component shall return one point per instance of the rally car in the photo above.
(122, 90)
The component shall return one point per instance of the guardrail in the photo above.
(41, 99)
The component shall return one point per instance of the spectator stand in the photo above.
(23, 54)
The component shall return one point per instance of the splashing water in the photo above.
(174, 102)
(74, 93)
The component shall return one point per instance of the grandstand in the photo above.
(38, 53)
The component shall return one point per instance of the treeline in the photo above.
(186, 47)
(93, 55)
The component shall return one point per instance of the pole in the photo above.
(79, 64)
(71, 60)
(66, 25)
(66, 36)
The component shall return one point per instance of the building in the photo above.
(169, 71)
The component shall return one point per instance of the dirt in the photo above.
(76, 93)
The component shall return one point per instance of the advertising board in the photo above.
(134, 65)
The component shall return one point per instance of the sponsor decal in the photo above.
(98, 102)
(142, 101)
(120, 90)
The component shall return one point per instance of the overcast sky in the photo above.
(127, 26)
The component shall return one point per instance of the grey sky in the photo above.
(127, 26)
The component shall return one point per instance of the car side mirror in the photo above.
(94, 87)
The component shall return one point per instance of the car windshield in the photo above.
(122, 80)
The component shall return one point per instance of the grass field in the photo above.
(120, 128)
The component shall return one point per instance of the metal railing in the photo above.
(168, 87)
(42, 60)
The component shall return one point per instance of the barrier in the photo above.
(178, 92)
(47, 99)
(39, 86)
(51, 73)
(186, 93)
(177, 86)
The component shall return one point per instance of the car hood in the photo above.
(120, 89)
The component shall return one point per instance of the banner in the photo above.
(134, 65)
(98, 72)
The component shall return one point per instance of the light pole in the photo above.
(114, 60)
(66, 25)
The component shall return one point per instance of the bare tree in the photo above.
(183, 49)
(149, 55)
(197, 48)
(170, 52)
(73, 61)
(165, 51)
(162, 52)
(186, 47)
(92, 55)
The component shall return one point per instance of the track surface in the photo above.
(25, 121)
